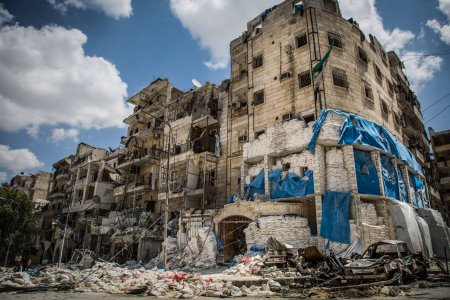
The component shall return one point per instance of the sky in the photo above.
(67, 67)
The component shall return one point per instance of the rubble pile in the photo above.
(199, 253)
(292, 230)
(246, 265)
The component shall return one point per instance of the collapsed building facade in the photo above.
(280, 149)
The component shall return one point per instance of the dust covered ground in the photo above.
(408, 292)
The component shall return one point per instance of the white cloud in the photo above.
(3, 176)
(113, 8)
(60, 134)
(48, 80)
(366, 14)
(442, 30)
(420, 69)
(444, 7)
(18, 159)
(5, 16)
(214, 23)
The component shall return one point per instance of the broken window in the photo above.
(390, 88)
(340, 78)
(258, 97)
(330, 5)
(257, 61)
(335, 39)
(378, 73)
(368, 91)
(301, 41)
(384, 109)
(363, 55)
(304, 79)
(242, 136)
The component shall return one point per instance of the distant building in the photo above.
(441, 151)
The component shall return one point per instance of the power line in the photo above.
(427, 54)
(435, 102)
(438, 114)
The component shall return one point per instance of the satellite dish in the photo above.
(196, 83)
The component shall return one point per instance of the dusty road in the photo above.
(415, 293)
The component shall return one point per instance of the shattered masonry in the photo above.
(236, 160)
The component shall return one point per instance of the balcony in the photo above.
(62, 176)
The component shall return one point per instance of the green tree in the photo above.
(17, 224)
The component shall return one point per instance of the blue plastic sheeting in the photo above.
(256, 186)
(418, 187)
(335, 224)
(358, 130)
(389, 174)
(366, 173)
(403, 191)
(291, 185)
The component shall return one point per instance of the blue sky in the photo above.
(67, 67)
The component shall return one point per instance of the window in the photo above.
(309, 118)
(242, 136)
(257, 61)
(378, 72)
(285, 75)
(337, 39)
(384, 109)
(301, 41)
(258, 97)
(363, 55)
(304, 79)
(368, 92)
(396, 120)
(330, 5)
(258, 28)
(390, 88)
(340, 78)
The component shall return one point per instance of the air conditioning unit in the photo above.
(285, 75)
(287, 117)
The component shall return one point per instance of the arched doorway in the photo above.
(231, 232)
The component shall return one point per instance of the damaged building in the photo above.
(316, 139)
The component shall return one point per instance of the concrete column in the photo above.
(318, 207)
(405, 173)
(266, 175)
(319, 170)
(77, 179)
(244, 171)
(377, 162)
(86, 183)
(349, 161)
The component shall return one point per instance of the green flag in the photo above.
(320, 65)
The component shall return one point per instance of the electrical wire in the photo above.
(435, 102)
(448, 106)
(428, 54)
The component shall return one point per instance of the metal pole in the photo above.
(64, 237)
(7, 251)
(166, 212)
(446, 261)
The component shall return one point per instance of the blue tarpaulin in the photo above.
(335, 224)
(358, 130)
(290, 185)
(403, 191)
(389, 174)
(366, 173)
(418, 187)
(256, 186)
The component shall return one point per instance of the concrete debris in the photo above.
(200, 252)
